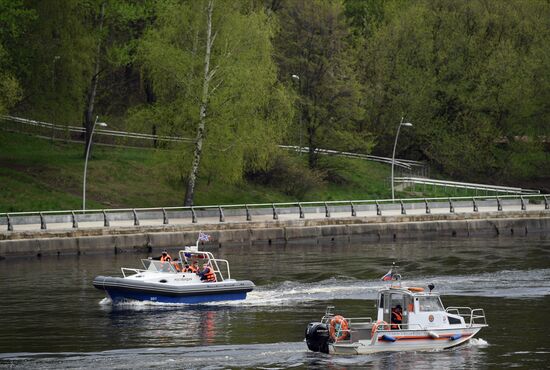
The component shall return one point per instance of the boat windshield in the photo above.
(430, 303)
(157, 266)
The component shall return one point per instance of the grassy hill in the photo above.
(37, 174)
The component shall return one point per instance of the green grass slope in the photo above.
(37, 174)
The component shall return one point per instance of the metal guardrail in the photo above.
(404, 163)
(98, 131)
(465, 185)
(50, 127)
(274, 210)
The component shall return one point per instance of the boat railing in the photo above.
(217, 270)
(359, 320)
(471, 316)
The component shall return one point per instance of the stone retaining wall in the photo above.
(316, 231)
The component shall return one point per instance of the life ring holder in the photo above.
(378, 324)
(342, 330)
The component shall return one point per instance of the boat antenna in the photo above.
(396, 274)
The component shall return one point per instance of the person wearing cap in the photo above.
(165, 257)
(207, 274)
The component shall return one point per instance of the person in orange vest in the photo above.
(396, 317)
(165, 257)
(207, 274)
(194, 267)
(177, 265)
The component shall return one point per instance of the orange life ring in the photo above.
(415, 289)
(338, 328)
(379, 324)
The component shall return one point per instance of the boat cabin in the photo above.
(418, 308)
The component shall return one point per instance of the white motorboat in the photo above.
(169, 282)
(424, 325)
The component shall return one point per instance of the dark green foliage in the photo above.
(289, 175)
(468, 75)
(313, 44)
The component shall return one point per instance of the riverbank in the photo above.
(321, 231)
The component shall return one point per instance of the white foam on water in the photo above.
(106, 302)
(478, 342)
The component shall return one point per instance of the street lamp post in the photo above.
(297, 78)
(102, 124)
(407, 124)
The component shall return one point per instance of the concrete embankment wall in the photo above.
(316, 231)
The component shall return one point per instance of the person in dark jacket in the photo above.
(207, 275)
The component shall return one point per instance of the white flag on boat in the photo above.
(204, 237)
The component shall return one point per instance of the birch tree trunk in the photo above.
(193, 173)
(90, 99)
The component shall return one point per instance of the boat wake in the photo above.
(503, 284)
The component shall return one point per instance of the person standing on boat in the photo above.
(165, 257)
(207, 274)
(396, 317)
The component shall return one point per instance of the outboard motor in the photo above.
(317, 337)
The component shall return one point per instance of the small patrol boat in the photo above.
(171, 282)
(408, 319)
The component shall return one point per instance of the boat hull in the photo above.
(121, 289)
(387, 341)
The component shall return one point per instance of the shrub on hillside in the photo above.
(290, 175)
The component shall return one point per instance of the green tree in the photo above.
(54, 58)
(468, 74)
(313, 44)
(14, 20)
(211, 71)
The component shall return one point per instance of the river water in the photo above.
(52, 317)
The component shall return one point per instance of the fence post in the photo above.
(451, 207)
(301, 210)
(193, 215)
(327, 212)
(136, 219)
(42, 222)
(378, 209)
(164, 217)
(10, 226)
(403, 211)
(523, 206)
(222, 217)
(248, 216)
(105, 220)
(75, 222)
(427, 206)
(499, 205)
(353, 213)
(475, 205)
(275, 214)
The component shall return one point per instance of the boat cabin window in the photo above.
(430, 303)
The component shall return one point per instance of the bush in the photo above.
(289, 175)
